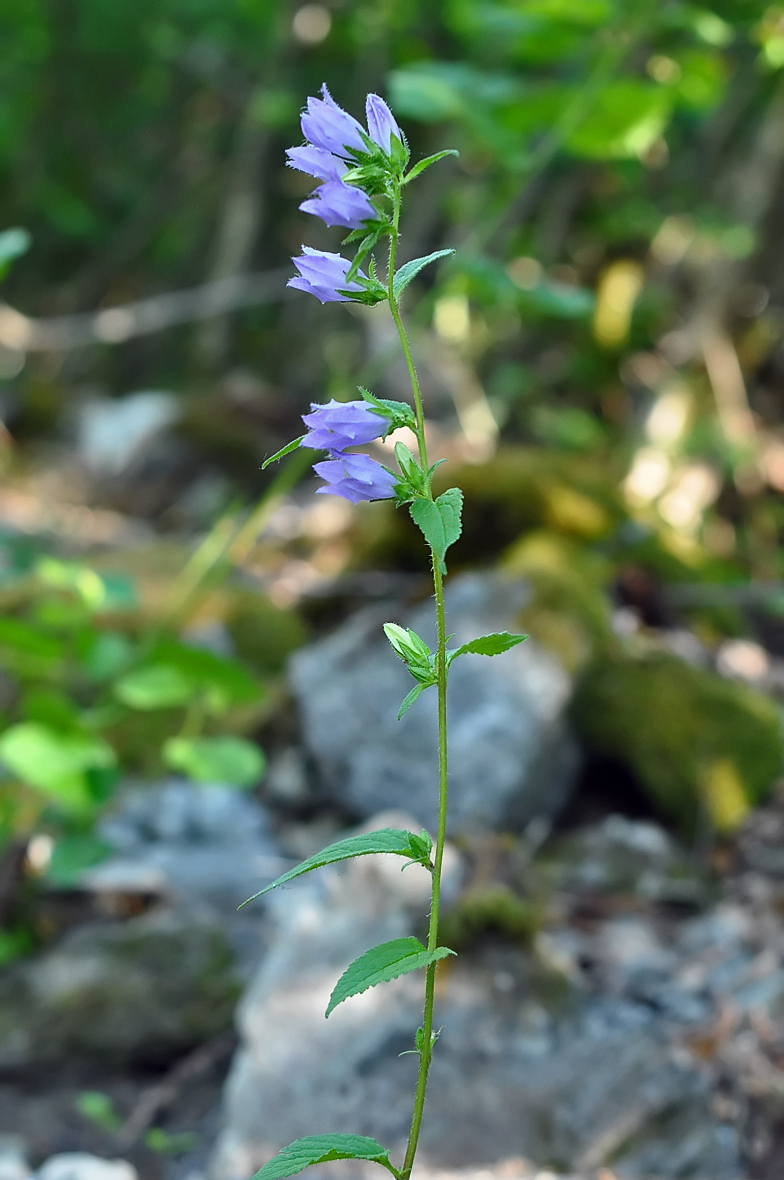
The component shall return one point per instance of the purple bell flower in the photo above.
(316, 162)
(323, 274)
(337, 203)
(381, 122)
(328, 126)
(338, 425)
(355, 477)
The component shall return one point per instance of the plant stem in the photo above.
(441, 669)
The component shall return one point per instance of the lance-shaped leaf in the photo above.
(289, 447)
(419, 168)
(389, 840)
(382, 963)
(487, 645)
(440, 521)
(411, 269)
(321, 1149)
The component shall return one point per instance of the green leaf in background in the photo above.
(381, 964)
(321, 1149)
(385, 840)
(440, 521)
(158, 686)
(163, 1143)
(13, 243)
(27, 640)
(410, 270)
(488, 645)
(624, 121)
(230, 760)
(55, 764)
(73, 854)
(224, 677)
(106, 654)
(99, 1109)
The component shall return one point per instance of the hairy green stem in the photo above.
(441, 669)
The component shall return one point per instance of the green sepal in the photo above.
(487, 645)
(414, 653)
(381, 964)
(322, 1149)
(414, 695)
(416, 480)
(289, 447)
(419, 168)
(411, 269)
(398, 413)
(440, 522)
(385, 840)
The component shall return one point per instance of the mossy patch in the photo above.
(263, 634)
(695, 742)
(490, 909)
(569, 609)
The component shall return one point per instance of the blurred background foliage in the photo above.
(602, 362)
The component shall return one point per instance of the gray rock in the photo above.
(80, 1165)
(511, 756)
(509, 1075)
(145, 988)
(188, 841)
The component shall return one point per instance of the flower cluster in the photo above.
(350, 162)
(339, 425)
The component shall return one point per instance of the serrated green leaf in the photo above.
(419, 168)
(411, 269)
(440, 521)
(289, 447)
(487, 645)
(382, 963)
(388, 840)
(321, 1149)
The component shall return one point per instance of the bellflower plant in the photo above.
(374, 164)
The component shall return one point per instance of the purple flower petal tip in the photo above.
(382, 124)
(327, 126)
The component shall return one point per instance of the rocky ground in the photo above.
(615, 1004)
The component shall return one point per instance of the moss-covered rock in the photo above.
(568, 611)
(263, 634)
(696, 743)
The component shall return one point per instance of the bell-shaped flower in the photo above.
(328, 126)
(355, 477)
(324, 275)
(337, 203)
(337, 425)
(316, 162)
(382, 124)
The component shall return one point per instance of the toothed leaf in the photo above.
(321, 1149)
(487, 645)
(411, 269)
(440, 521)
(382, 963)
(391, 840)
